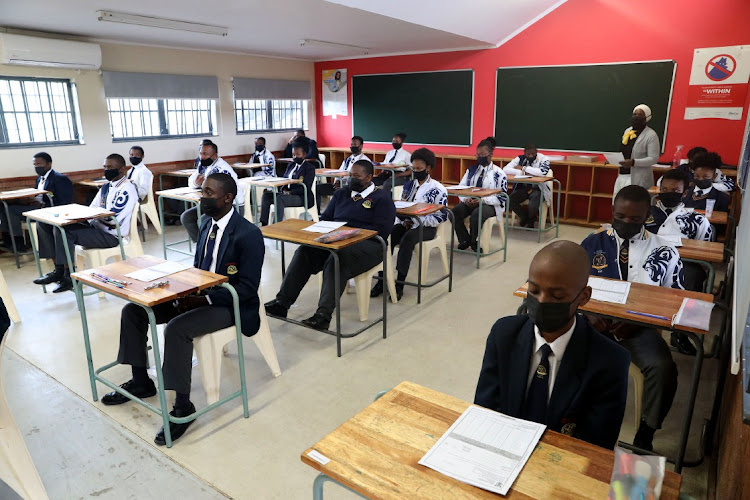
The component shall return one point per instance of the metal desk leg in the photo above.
(12, 236)
(419, 267)
(161, 217)
(385, 288)
(321, 480)
(119, 237)
(337, 294)
(78, 289)
(480, 223)
(240, 349)
(695, 379)
(539, 213)
(453, 239)
(159, 376)
(283, 261)
(557, 213)
(32, 238)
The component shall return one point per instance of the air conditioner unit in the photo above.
(35, 51)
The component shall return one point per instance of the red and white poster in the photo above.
(718, 83)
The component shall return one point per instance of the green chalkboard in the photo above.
(579, 108)
(431, 108)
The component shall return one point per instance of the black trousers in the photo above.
(46, 239)
(283, 200)
(321, 190)
(15, 212)
(408, 239)
(462, 211)
(695, 276)
(521, 193)
(82, 234)
(179, 333)
(354, 260)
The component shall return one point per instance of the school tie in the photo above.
(392, 158)
(536, 397)
(623, 259)
(256, 159)
(208, 257)
(357, 197)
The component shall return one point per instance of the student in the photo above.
(61, 193)
(704, 175)
(312, 149)
(551, 366)
(629, 252)
(395, 155)
(294, 194)
(327, 189)
(422, 189)
(228, 245)
(483, 174)
(118, 196)
(139, 174)
(211, 163)
(358, 204)
(531, 163)
(721, 182)
(262, 155)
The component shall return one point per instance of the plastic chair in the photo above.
(8, 300)
(322, 158)
(547, 211)
(635, 374)
(487, 232)
(440, 242)
(212, 347)
(397, 192)
(148, 209)
(249, 215)
(298, 212)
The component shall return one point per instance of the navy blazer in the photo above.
(61, 188)
(240, 258)
(591, 385)
(306, 172)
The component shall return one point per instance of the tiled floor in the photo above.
(439, 344)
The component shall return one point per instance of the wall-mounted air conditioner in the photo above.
(35, 51)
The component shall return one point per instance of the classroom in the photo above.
(357, 249)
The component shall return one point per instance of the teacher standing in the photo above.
(640, 147)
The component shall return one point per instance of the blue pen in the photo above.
(655, 316)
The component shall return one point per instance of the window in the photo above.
(36, 111)
(252, 115)
(161, 118)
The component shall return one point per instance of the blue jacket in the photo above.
(61, 188)
(306, 172)
(376, 211)
(591, 386)
(240, 258)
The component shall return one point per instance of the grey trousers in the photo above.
(651, 354)
(399, 181)
(282, 201)
(84, 235)
(354, 260)
(408, 239)
(189, 219)
(462, 211)
(179, 333)
(520, 194)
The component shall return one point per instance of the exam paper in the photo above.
(186, 190)
(485, 449)
(452, 188)
(614, 158)
(612, 291)
(74, 212)
(324, 226)
(404, 204)
(522, 176)
(19, 191)
(158, 271)
(264, 178)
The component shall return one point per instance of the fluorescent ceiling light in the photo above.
(323, 43)
(159, 22)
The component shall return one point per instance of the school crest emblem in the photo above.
(367, 204)
(568, 429)
(599, 261)
(231, 269)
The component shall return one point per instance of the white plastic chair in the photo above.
(635, 374)
(397, 191)
(249, 215)
(212, 347)
(148, 209)
(322, 159)
(487, 231)
(547, 211)
(8, 300)
(440, 241)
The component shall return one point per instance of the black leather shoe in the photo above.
(682, 343)
(49, 278)
(139, 391)
(399, 292)
(176, 430)
(644, 438)
(65, 284)
(464, 245)
(377, 290)
(276, 308)
(317, 321)
(473, 246)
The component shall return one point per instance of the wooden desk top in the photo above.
(255, 181)
(331, 172)
(390, 166)
(291, 230)
(94, 183)
(420, 209)
(185, 172)
(474, 192)
(538, 179)
(180, 284)
(182, 193)
(707, 251)
(376, 453)
(250, 166)
(56, 216)
(720, 218)
(18, 194)
(648, 299)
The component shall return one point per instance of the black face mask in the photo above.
(207, 162)
(638, 122)
(299, 161)
(396, 145)
(704, 183)
(355, 150)
(670, 200)
(134, 160)
(40, 171)
(626, 230)
(420, 175)
(208, 206)
(483, 160)
(549, 316)
(356, 184)
(259, 148)
(111, 173)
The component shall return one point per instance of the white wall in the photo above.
(16, 162)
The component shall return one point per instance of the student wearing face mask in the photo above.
(483, 174)
(640, 147)
(397, 155)
(263, 156)
(629, 252)
(721, 182)
(294, 194)
(139, 174)
(551, 366)
(422, 189)
(327, 189)
(534, 163)
(704, 174)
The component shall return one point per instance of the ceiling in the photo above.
(275, 28)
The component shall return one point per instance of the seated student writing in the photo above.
(60, 193)
(263, 156)
(629, 252)
(529, 163)
(397, 155)
(721, 182)
(358, 204)
(704, 173)
(422, 189)
(229, 245)
(327, 189)
(118, 196)
(551, 366)
(483, 174)
(139, 174)
(294, 194)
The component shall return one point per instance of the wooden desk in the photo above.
(291, 231)
(184, 173)
(181, 284)
(376, 454)
(706, 251)
(249, 166)
(719, 218)
(17, 194)
(542, 221)
(93, 183)
(331, 172)
(186, 195)
(479, 193)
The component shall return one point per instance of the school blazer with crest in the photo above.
(240, 258)
(591, 385)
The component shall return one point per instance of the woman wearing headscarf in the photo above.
(640, 147)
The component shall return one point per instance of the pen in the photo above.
(655, 316)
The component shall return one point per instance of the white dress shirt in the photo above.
(222, 223)
(143, 179)
(351, 160)
(399, 156)
(40, 185)
(555, 358)
(364, 194)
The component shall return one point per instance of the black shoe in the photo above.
(276, 308)
(140, 391)
(176, 430)
(65, 284)
(644, 438)
(377, 290)
(317, 321)
(49, 278)
(474, 246)
(464, 245)
(682, 343)
(399, 291)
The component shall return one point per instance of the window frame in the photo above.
(269, 116)
(162, 116)
(75, 118)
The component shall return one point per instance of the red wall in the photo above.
(583, 32)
